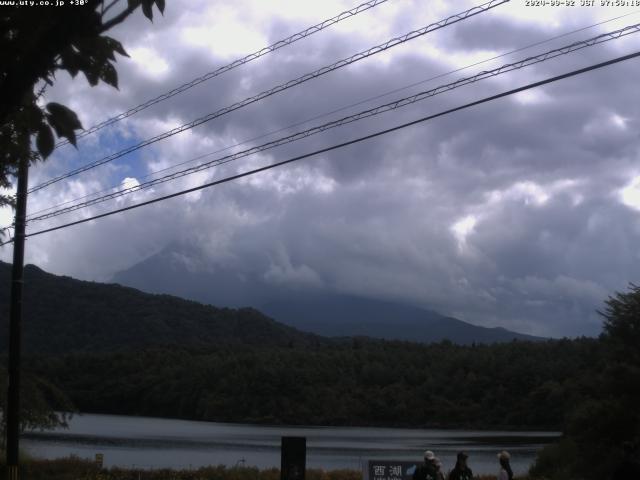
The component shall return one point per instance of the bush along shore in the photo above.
(74, 468)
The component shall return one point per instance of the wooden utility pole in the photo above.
(15, 321)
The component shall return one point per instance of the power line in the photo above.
(369, 99)
(605, 37)
(236, 63)
(344, 144)
(279, 88)
(309, 76)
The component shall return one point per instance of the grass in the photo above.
(74, 468)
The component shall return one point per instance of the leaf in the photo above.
(70, 61)
(103, 48)
(92, 75)
(71, 136)
(64, 116)
(147, 9)
(64, 121)
(115, 46)
(160, 4)
(109, 75)
(61, 131)
(107, 51)
(44, 140)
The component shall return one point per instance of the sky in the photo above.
(523, 212)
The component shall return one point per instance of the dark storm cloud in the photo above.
(495, 33)
(504, 214)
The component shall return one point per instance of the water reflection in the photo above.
(158, 443)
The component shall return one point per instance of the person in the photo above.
(461, 471)
(428, 470)
(438, 464)
(505, 472)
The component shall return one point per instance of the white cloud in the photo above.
(281, 271)
(630, 194)
(129, 182)
(502, 214)
(462, 229)
(149, 62)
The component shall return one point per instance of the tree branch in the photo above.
(108, 7)
(117, 19)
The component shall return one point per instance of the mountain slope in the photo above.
(342, 315)
(64, 315)
(320, 312)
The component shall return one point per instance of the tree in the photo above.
(35, 43)
(622, 326)
(605, 425)
(621, 339)
(44, 405)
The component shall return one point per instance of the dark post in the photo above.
(293, 458)
(15, 319)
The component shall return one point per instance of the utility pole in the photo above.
(15, 320)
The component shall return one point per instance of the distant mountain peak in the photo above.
(318, 311)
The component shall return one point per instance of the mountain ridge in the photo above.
(63, 315)
(320, 312)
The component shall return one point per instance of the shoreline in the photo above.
(546, 433)
(75, 468)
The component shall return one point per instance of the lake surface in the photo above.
(143, 442)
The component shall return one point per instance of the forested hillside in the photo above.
(362, 382)
(116, 350)
(64, 315)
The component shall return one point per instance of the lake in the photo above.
(143, 442)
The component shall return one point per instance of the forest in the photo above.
(108, 349)
(588, 389)
(355, 382)
(63, 315)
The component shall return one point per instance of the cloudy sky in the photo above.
(523, 212)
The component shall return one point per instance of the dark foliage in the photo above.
(63, 315)
(42, 404)
(35, 44)
(362, 382)
(74, 468)
(128, 352)
(603, 425)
